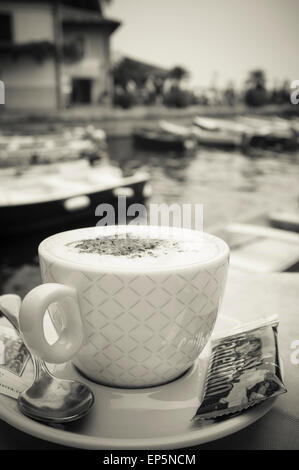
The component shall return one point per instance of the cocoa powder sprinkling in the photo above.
(128, 246)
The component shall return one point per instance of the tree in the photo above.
(256, 93)
(130, 69)
(256, 79)
(177, 74)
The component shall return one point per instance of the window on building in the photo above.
(74, 49)
(5, 27)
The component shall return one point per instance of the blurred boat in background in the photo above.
(204, 131)
(216, 125)
(207, 124)
(274, 134)
(261, 249)
(247, 133)
(219, 133)
(167, 137)
(79, 142)
(59, 194)
(243, 133)
(217, 139)
(285, 220)
(175, 129)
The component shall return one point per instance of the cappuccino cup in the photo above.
(134, 306)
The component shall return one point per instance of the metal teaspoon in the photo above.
(49, 399)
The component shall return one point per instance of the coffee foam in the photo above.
(178, 247)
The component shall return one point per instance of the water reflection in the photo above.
(229, 185)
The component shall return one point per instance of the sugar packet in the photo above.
(16, 368)
(244, 369)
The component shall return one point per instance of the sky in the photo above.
(218, 41)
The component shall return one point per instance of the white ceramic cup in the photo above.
(120, 327)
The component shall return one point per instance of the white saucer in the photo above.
(153, 418)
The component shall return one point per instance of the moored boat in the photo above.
(175, 129)
(159, 139)
(70, 145)
(207, 124)
(218, 133)
(217, 125)
(269, 134)
(258, 247)
(44, 196)
(217, 139)
(247, 133)
(285, 220)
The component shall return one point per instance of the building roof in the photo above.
(150, 68)
(93, 5)
(78, 16)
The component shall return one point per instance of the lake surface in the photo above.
(231, 187)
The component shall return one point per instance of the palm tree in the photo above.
(177, 74)
(256, 93)
(256, 79)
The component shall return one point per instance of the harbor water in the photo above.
(231, 186)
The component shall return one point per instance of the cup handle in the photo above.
(31, 318)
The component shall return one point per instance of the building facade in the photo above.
(55, 54)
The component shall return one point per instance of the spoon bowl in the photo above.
(54, 400)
